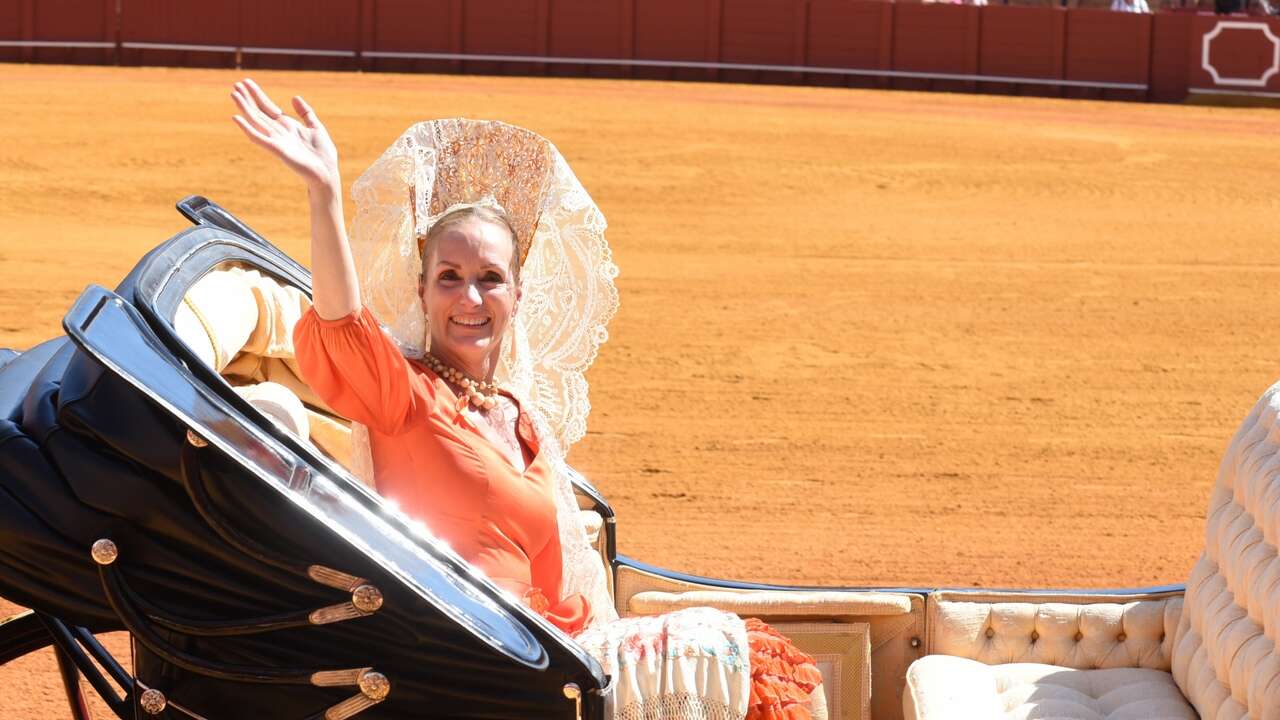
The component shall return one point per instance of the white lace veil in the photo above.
(566, 276)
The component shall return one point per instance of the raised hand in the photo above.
(303, 145)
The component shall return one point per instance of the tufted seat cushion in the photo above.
(943, 687)
(1128, 632)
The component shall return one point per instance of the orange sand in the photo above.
(866, 337)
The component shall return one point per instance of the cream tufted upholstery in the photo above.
(1133, 634)
(1225, 657)
(942, 687)
(1219, 642)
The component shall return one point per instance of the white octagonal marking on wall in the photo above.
(1237, 81)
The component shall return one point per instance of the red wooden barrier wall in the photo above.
(763, 32)
(1165, 55)
(11, 21)
(935, 39)
(677, 30)
(1170, 34)
(1023, 42)
(413, 26)
(1104, 46)
(850, 35)
(179, 23)
(319, 25)
(92, 21)
(591, 29)
(1233, 54)
(505, 27)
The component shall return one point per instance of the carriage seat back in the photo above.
(1225, 656)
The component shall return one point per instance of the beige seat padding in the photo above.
(240, 322)
(217, 316)
(1137, 633)
(280, 405)
(766, 603)
(943, 687)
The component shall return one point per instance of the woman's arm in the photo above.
(304, 146)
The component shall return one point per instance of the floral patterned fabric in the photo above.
(691, 663)
(704, 664)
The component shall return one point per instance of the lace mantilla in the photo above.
(567, 279)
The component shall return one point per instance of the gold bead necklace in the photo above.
(482, 395)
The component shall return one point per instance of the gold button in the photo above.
(366, 598)
(991, 632)
(104, 552)
(152, 701)
(374, 685)
(1079, 636)
(1034, 636)
(1120, 637)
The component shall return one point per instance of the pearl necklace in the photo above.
(481, 395)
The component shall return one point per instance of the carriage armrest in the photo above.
(774, 603)
(592, 524)
(1079, 630)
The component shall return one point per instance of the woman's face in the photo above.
(469, 294)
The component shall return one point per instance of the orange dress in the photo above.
(432, 461)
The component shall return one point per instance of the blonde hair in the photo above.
(484, 213)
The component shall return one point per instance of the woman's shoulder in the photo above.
(355, 366)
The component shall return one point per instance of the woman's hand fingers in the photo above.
(252, 114)
(253, 133)
(305, 112)
(246, 116)
(304, 146)
(254, 111)
(270, 109)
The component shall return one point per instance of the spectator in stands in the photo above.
(1130, 6)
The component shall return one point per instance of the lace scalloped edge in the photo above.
(677, 706)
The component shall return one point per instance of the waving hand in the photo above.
(303, 144)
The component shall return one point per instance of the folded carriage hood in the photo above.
(101, 449)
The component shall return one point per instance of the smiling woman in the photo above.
(976, 395)
(470, 285)
(444, 442)
(476, 461)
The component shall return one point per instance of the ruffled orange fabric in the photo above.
(782, 676)
(569, 614)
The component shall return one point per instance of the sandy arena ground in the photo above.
(865, 338)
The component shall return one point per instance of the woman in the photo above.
(447, 222)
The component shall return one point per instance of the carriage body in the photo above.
(258, 577)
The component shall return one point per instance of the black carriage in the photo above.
(257, 577)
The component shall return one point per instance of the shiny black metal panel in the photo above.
(90, 441)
